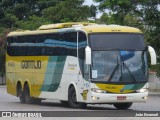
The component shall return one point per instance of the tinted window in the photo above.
(43, 45)
(117, 41)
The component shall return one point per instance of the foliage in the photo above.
(65, 11)
(2, 51)
(106, 19)
(93, 11)
(32, 23)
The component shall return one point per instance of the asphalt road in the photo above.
(11, 103)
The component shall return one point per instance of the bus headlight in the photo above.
(141, 90)
(98, 90)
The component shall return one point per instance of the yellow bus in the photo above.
(79, 64)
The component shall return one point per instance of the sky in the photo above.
(90, 2)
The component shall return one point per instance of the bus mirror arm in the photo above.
(88, 55)
(152, 55)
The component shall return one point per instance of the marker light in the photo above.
(95, 98)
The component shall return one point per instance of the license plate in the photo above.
(121, 97)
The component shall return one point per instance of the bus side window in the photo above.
(9, 48)
(70, 44)
(42, 49)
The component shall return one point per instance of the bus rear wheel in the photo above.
(20, 93)
(72, 99)
(122, 106)
(27, 98)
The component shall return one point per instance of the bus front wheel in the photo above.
(72, 99)
(122, 106)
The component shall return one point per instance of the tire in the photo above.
(27, 98)
(122, 106)
(72, 99)
(20, 94)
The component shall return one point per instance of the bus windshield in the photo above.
(120, 65)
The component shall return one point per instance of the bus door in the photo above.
(82, 43)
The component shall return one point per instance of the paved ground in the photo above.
(11, 103)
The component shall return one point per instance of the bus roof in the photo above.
(88, 28)
(110, 28)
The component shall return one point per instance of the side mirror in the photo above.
(153, 55)
(88, 55)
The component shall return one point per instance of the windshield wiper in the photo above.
(124, 65)
(114, 71)
(129, 71)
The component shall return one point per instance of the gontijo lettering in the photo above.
(31, 64)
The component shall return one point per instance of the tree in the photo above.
(9, 20)
(32, 23)
(121, 8)
(2, 52)
(93, 11)
(18, 13)
(106, 19)
(66, 11)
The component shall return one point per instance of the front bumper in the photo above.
(113, 98)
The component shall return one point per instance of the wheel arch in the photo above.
(72, 84)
